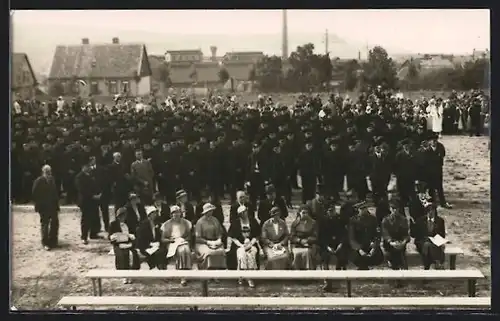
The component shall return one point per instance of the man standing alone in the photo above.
(46, 201)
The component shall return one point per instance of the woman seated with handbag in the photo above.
(176, 234)
(274, 240)
(123, 242)
(243, 243)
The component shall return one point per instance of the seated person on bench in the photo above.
(395, 237)
(176, 236)
(333, 238)
(274, 240)
(304, 238)
(426, 229)
(148, 240)
(364, 236)
(209, 247)
(126, 257)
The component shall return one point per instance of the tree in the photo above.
(380, 70)
(163, 74)
(302, 61)
(269, 74)
(223, 75)
(350, 70)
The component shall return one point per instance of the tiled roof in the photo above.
(17, 64)
(111, 61)
(205, 72)
(190, 51)
(238, 70)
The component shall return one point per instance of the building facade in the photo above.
(23, 79)
(100, 70)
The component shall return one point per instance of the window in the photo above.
(94, 88)
(112, 87)
(76, 87)
(125, 86)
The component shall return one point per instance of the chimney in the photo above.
(85, 41)
(116, 40)
(284, 42)
(213, 49)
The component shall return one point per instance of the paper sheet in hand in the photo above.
(121, 237)
(438, 240)
(154, 247)
(172, 248)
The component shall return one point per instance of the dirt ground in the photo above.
(40, 278)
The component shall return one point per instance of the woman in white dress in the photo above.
(436, 116)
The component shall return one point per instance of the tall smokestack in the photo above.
(213, 50)
(284, 48)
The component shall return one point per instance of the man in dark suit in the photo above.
(147, 235)
(46, 199)
(435, 159)
(162, 208)
(428, 226)
(269, 202)
(88, 201)
(333, 239)
(318, 204)
(395, 236)
(101, 176)
(364, 236)
(136, 212)
(379, 172)
(120, 184)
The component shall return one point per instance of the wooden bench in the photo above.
(349, 275)
(72, 302)
(451, 251)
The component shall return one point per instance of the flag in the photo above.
(82, 82)
(193, 74)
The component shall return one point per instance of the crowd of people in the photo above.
(154, 162)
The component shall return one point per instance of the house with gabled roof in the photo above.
(23, 80)
(101, 69)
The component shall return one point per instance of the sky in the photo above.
(456, 31)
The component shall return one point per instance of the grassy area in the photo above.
(40, 278)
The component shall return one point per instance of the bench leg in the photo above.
(472, 288)
(204, 288)
(453, 262)
(195, 308)
(94, 287)
(349, 289)
(99, 285)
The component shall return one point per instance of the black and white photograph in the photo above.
(206, 160)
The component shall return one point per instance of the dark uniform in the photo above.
(395, 236)
(364, 237)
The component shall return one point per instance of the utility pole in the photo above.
(326, 42)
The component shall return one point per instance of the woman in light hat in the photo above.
(274, 240)
(209, 247)
(243, 242)
(148, 240)
(303, 237)
(123, 241)
(176, 235)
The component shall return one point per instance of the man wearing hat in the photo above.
(136, 212)
(318, 204)
(308, 168)
(255, 180)
(186, 207)
(379, 172)
(435, 158)
(88, 201)
(269, 202)
(364, 238)
(333, 239)
(425, 227)
(395, 237)
(149, 237)
(406, 168)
